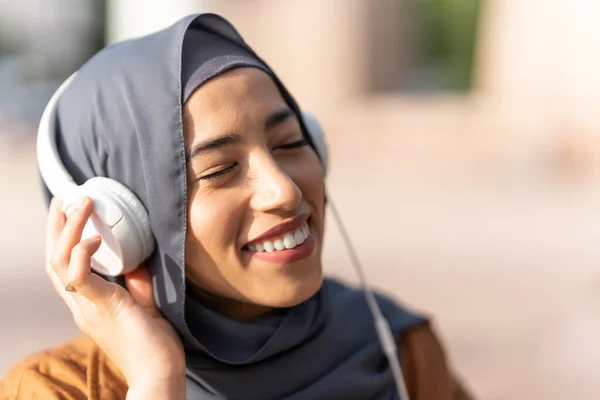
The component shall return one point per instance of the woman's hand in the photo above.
(127, 326)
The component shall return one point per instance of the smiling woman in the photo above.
(250, 165)
(188, 136)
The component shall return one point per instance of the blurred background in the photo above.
(465, 157)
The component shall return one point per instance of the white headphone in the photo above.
(119, 216)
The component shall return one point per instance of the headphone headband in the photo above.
(53, 172)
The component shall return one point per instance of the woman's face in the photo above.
(255, 197)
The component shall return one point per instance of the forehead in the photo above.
(235, 91)
(228, 103)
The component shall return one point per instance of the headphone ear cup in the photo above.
(318, 137)
(122, 220)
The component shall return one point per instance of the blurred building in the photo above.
(345, 48)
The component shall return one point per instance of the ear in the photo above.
(317, 136)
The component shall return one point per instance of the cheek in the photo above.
(308, 174)
(211, 228)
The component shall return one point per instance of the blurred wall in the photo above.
(544, 55)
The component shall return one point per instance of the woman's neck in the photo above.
(233, 309)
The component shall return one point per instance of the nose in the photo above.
(274, 189)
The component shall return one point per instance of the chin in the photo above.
(289, 292)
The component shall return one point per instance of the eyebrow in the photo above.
(213, 144)
(278, 117)
(273, 120)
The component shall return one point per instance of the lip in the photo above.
(284, 227)
(288, 256)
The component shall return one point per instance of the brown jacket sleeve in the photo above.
(426, 371)
(78, 370)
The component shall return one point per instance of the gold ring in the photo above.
(68, 287)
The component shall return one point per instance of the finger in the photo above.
(54, 226)
(60, 289)
(70, 236)
(90, 289)
(139, 284)
(80, 269)
(79, 274)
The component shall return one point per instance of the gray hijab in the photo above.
(122, 118)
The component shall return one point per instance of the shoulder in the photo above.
(77, 369)
(426, 368)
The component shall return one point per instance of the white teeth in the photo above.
(299, 236)
(288, 241)
(278, 244)
(269, 248)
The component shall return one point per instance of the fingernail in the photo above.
(80, 202)
(95, 238)
(74, 207)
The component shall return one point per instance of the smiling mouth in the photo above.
(282, 242)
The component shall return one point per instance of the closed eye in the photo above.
(219, 173)
(294, 145)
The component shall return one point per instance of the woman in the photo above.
(232, 302)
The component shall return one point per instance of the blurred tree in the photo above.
(450, 29)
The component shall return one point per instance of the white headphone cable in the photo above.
(384, 332)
